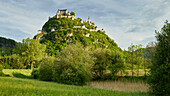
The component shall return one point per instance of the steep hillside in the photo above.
(57, 32)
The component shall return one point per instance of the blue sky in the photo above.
(125, 21)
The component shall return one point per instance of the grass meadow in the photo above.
(18, 82)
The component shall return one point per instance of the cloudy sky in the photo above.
(125, 21)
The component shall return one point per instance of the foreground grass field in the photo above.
(13, 86)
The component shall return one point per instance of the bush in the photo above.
(7, 66)
(108, 76)
(71, 75)
(45, 69)
(1, 73)
(74, 66)
(35, 73)
(1, 68)
(107, 60)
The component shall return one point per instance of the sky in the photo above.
(125, 21)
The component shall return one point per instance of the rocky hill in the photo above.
(63, 29)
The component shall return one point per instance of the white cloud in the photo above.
(125, 21)
(27, 21)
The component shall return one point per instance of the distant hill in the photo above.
(63, 29)
(6, 46)
(7, 43)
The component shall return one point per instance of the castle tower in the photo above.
(88, 20)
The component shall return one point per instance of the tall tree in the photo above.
(132, 48)
(102, 62)
(159, 78)
(30, 50)
(150, 49)
(139, 52)
(148, 53)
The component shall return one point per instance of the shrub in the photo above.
(107, 60)
(108, 76)
(72, 13)
(71, 75)
(45, 69)
(35, 73)
(74, 66)
(7, 66)
(1, 68)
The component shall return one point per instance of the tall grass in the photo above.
(121, 85)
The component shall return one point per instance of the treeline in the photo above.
(7, 43)
(100, 63)
(6, 46)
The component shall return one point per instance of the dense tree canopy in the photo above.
(74, 66)
(6, 46)
(30, 50)
(8, 43)
(159, 79)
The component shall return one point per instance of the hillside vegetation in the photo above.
(57, 33)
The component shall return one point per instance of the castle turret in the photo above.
(88, 20)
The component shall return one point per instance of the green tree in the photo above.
(74, 66)
(46, 69)
(159, 79)
(131, 49)
(117, 62)
(102, 62)
(1, 68)
(30, 50)
(150, 47)
(107, 60)
(17, 61)
(139, 53)
(72, 13)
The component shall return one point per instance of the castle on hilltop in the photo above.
(65, 13)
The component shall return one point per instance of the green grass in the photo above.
(19, 86)
(26, 72)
